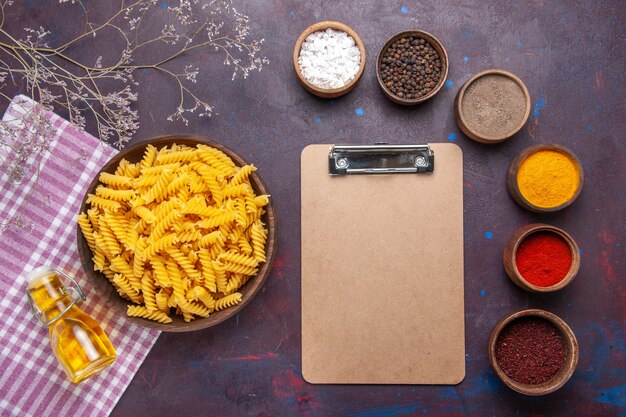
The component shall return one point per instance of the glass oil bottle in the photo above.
(77, 340)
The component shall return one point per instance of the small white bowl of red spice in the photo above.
(541, 258)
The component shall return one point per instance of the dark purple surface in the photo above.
(571, 57)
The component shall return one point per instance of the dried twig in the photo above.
(59, 81)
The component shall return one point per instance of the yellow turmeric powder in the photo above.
(548, 178)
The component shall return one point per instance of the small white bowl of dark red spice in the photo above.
(412, 66)
(541, 258)
(533, 352)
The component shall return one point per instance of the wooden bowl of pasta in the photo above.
(177, 233)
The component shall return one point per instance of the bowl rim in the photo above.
(462, 120)
(435, 43)
(321, 26)
(258, 280)
(510, 253)
(513, 185)
(562, 376)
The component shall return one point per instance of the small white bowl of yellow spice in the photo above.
(545, 178)
(329, 59)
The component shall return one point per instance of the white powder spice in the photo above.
(329, 58)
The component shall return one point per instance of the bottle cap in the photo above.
(37, 272)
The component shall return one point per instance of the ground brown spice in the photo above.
(530, 350)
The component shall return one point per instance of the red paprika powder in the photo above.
(543, 258)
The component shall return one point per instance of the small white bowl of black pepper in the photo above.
(412, 66)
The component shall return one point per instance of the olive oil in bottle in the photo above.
(77, 340)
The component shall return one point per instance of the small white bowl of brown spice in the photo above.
(412, 66)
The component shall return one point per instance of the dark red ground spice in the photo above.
(530, 350)
(543, 258)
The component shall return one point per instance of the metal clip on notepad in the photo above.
(380, 158)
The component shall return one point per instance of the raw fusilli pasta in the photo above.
(178, 232)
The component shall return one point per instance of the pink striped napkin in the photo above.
(39, 199)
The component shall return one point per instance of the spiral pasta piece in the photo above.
(213, 185)
(235, 282)
(161, 301)
(193, 258)
(227, 301)
(163, 224)
(159, 169)
(234, 268)
(143, 312)
(242, 174)
(217, 159)
(262, 200)
(183, 262)
(200, 209)
(157, 191)
(194, 308)
(132, 237)
(215, 221)
(115, 180)
(149, 157)
(251, 207)
(177, 281)
(208, 274)
(101, 245)
(210, 239)
(161, 245)
(189, 236)
(254, 217)
(200, 293)
(220, 276)
(238, 258)
(99, 260)
(115, 195)
(148, 290)
(125, 289)
(258, 237)
(245, 248)
(197, 185)
(161, 275)
(103, 203)
(109, 239)
(94, 218)
(236, 191)
(167, 206)
(85, 227)
(119, 264)
(138, 260)
(179, 156)
(217, 248)
(126, 169)
(118, 225)
(242, 213)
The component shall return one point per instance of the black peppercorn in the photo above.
(410, 68)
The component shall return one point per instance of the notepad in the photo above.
(382, 269)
